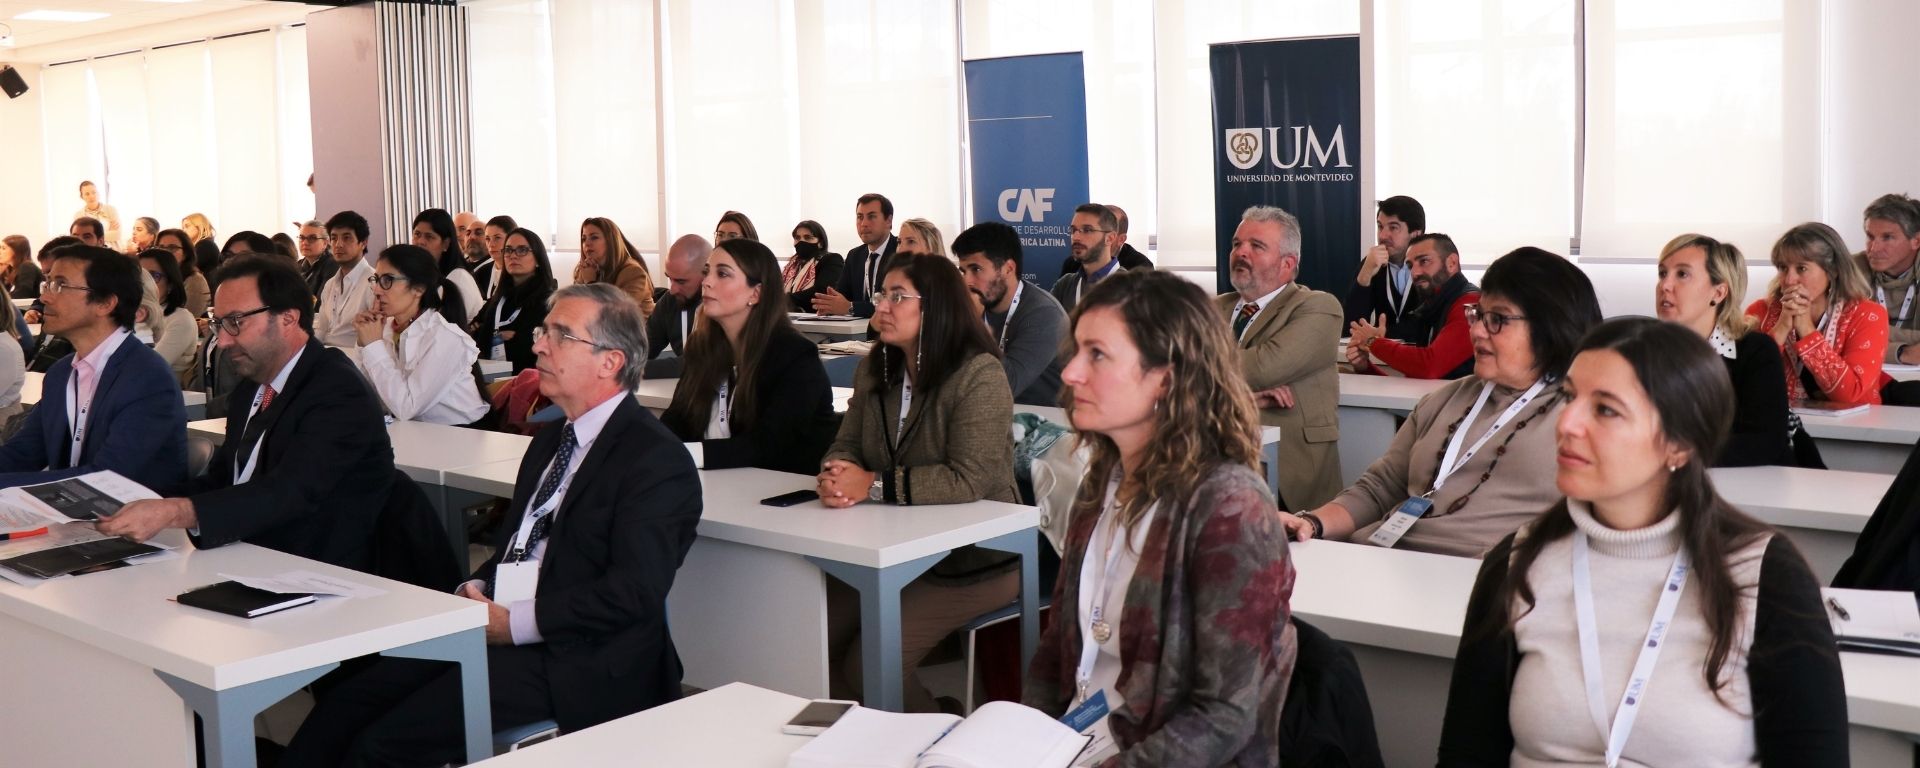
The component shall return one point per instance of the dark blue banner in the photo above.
(1286, 118)
(1027, 132)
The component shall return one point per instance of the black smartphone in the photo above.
(790, 499)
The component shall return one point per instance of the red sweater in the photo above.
(1451, 347)
(1848, 371)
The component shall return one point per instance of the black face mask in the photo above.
(806, 251)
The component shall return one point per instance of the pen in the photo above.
(22, 534)
(1837, 610)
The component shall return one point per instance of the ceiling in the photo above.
(132, 24)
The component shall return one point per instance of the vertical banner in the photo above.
(1027, 134)
(1286, 118)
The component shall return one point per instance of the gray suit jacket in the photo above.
(1294, 342)
(1031, 347)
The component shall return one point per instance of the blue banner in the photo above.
(1286, 118)
(1027, 132)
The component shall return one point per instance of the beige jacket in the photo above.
(1293, 342)
(1894, 290)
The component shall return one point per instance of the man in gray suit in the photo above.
(1289, 337)
(1027, 321)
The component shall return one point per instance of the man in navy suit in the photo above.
(603, 512)
(867, 264)
(113, 403)
(306, 463)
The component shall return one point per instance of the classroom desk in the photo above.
(1877, 440)
(1370, 411)
(829, 330)
(749, 603)
(656, 394)
(24, 304)
(1821, 510)
(736, 725)
(31, 390)
(493, 370)
(109, 654)
(1401, 613)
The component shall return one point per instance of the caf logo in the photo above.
(1243, 147)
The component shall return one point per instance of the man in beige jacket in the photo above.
(1289, 335)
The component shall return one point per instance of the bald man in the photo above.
(472, 231)
(672, 317)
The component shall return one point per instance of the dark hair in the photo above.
(819, 232)
(536, 287)
(1556, 298)
(47, 248)
(286, 246)
(281, 287)
(99, 230)
(1442, 244)
(886, 206)
(997, 241)
(109, 274)
(84, 185)
(950, 331)
(349, 220)
(1693, 399)
(176, 295)
(1407, 210)
(711, 358)
(449, 258)
(22, 250)
(1102, 213)
(187, 267)
(504, 222)
(420, 270)
(740, 220)
(259, 244)
(1896, 208)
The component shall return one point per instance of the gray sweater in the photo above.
(1031, 346)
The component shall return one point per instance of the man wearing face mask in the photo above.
(1432, 342)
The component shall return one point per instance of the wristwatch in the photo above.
(878, 492)
(1319, 528)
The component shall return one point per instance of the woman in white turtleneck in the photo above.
(1644, 621)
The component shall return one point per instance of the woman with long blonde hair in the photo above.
(607, 257)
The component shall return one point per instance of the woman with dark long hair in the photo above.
(813, 267)
(1643, 620)
(175, 335)
(753, 390)
(410, 346)
(199, 294)
(433, 232)
(503, 329)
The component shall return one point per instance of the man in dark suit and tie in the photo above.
(112, 404)
(306, 463)
(867, 264)
(603, 512)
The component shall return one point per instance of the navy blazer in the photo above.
(137, 425)
(620, 533)
(853, 277)
(324, 468)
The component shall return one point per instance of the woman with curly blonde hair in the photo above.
(1177, 573)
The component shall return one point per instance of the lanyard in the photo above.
(1006, 323)
(1454, 458)
(517, 546)
(1636, 692)
(500, 305)
(1906, 304)
(1093, 601)
(1081, 284)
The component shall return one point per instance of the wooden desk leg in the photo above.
(1026, 544)
(226, 717)
(880, 623)
(467, 648)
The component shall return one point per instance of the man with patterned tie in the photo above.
(603, 511)
(1289, 338)
(306, 462)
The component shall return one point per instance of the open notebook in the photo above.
(1000, 734)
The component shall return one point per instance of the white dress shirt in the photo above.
(1260, 304)
(469, 291)
(425, 373)
(345, 296)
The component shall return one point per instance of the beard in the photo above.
(994, 294)
(1427, 287)
(1093, 254)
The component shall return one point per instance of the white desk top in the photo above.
(495, 369)
(854, 327)
(736, 725)
(1417, 602)
(128, 612)
(426, 452)
(494, 478)
(1878, 424)
(1793, 497)
(657, 394)
(24, 303)
(31, 388)
(1394, 393)
(1269, 434)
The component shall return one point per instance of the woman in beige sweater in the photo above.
(1494, 430)
(928, 424)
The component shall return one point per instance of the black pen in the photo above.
(1837, 610)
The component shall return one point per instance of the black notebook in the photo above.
(60, 561)
(236, 599)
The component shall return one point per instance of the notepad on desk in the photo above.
(1826, 408)
(64, 507)
(1883, 621)
(999, 734)
(236, 599)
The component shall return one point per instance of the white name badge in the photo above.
(499, 349)
(515, 582)
(1402, 520)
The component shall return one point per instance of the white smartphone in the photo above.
(815, 718)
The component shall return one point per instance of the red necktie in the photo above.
(266, 397)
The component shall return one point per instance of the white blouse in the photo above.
(425, 373)
(176, 338)
(469, 291)
(344, 297)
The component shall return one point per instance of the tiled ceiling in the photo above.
(124, 21)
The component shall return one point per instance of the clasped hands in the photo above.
(1360, 336)
(843, 483)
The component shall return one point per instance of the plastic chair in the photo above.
(509, 739)
(999, 615)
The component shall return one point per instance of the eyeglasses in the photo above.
(1087, 230)
(517, 250)
(896, 297)
(173, 248)
(62, 286)
(231, 323)
(543, 332)
(1495, 321)
(385, 281)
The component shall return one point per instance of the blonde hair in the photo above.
(928, 233)
(1725, 266)
(1817, 243)
(198, 221)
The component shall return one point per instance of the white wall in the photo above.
(23, 176)
(1870, 108)
(343, 63)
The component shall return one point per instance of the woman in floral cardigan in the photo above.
(1820, 310)
(1173, 598)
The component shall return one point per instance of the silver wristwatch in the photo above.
(878, 492)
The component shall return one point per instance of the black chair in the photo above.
(1327, 720)
(410, 544)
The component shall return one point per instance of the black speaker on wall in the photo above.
(12, 82)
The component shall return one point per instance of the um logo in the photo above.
(1026, 204)
(1245, 146)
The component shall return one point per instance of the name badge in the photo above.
(1090, 712)
(499, 350)
(1402, 520)
(514, 582)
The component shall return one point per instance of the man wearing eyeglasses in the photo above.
(1288, 335)
(1094, 244)
(347, 294)
(316, 264)
(306, 463)
(603, 512)
(112, 403)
